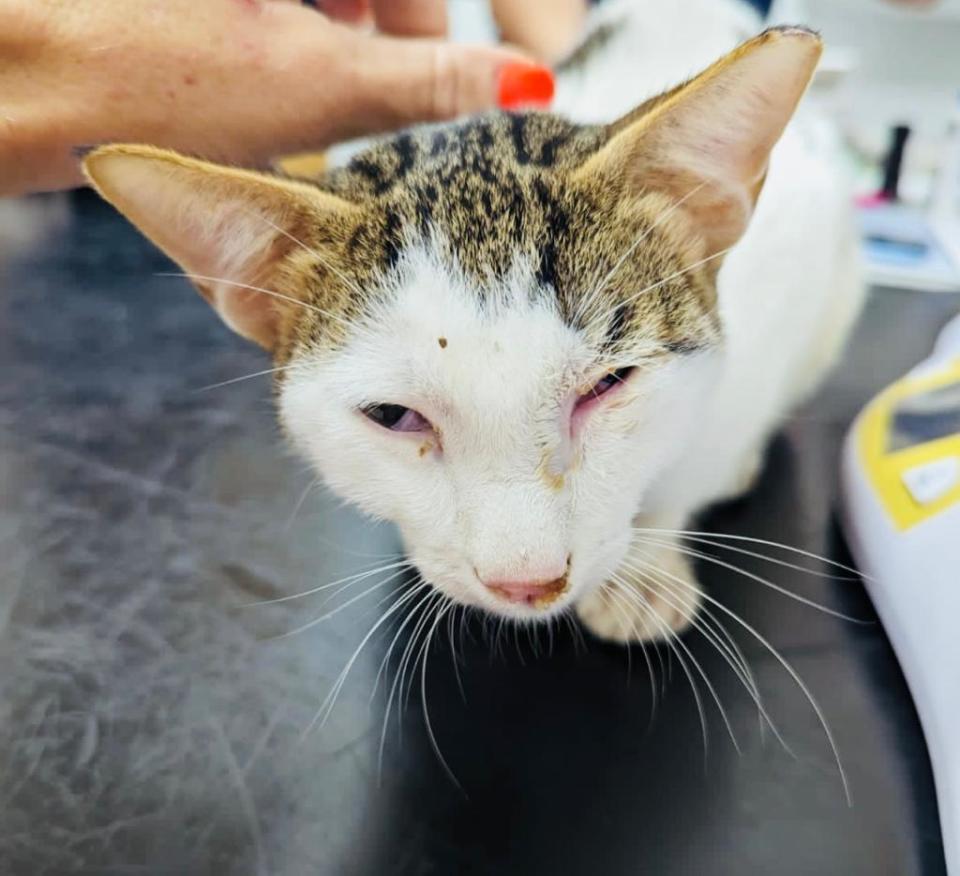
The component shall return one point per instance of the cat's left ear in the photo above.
(708, 141)
(238, 234)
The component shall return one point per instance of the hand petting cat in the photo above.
(240, 81)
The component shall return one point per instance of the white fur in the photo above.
(680, 435)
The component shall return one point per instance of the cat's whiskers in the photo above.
(326, 707)
(694, 534)
(318, 256)
(685, 609)
(443, 607)
(291, 366)
(414, 656)
(603, 317)
(733, 657)
(333, 612)
(607, 594)
(235, 284)
(588, 300)
(353, 579)
(766, 557)
(418, 611)
(667, 544)
(670, 639)
(301, 501)
(794, 675)
(451, 623)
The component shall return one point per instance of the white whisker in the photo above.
(680, 549)
(247, 377)
(740, 668)
(358, 576)
(607, 593)
(654, 286)
(793, 675)
(326, 263)
(689, 533)
(441, 610)
(300, 502)
(685, 612)
(669, 638)
(329, 614)
(589, 299)
(326, 707)
(278, 295)
(397, 685)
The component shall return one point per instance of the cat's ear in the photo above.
(229, 229)
(708, 141)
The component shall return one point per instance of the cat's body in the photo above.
(507, 334)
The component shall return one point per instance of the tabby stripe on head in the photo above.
(406, 150)
(557, 224)
(439, 144)
(518, 130)
(619, 320)
(372, 172)
(391, 238)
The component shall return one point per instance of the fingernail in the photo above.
(524, 85)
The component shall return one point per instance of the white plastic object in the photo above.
(912, 570)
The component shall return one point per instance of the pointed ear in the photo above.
(708, 141)
(230, 229)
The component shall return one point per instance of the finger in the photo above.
(411, 17)
(350, 11)
(403, 81)
(547, 28)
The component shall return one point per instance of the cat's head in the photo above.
(495, 333)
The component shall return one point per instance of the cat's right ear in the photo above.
(706, 143)
(238, 234)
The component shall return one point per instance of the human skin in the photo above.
(238, 81)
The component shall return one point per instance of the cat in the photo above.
(526, 337)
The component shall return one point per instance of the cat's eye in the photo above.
(605, 384)
(396, 418)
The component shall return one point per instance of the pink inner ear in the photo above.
(231, 240)
(233, 244)
(249, 313)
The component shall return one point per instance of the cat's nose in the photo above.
(536, 593)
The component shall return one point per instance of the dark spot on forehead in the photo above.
(442, 342)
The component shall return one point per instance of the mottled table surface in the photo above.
(154, 721)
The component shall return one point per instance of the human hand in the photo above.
(232, 80)
(547, 28)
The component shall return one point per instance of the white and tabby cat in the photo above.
(510, 335)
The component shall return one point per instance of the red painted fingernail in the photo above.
(524, 85)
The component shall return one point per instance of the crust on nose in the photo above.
(537, 594)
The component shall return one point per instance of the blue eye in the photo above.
(397, 418)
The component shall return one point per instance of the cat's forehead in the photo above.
(489, 187)
(433, 335)
(450, 158)
(501, 190)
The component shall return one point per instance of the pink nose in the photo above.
(538, 594)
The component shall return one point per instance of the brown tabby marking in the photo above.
(499, 187)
